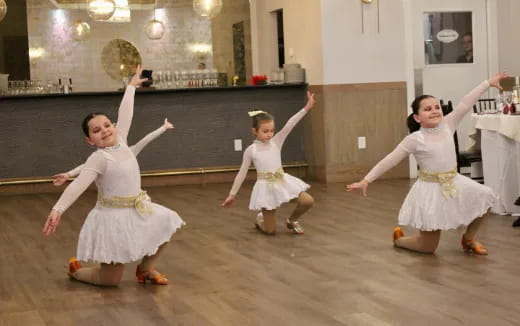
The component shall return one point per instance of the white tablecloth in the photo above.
(500, 144)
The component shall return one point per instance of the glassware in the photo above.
(499, 102)
(508, 100)
(177, 78)
(184, 78)
(10, 87)
(214, 77)
(160, 79)
(168, 77)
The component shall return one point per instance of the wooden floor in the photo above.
(343, 271)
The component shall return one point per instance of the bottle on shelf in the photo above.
(516, 95)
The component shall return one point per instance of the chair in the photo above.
(464, 158)
(485, 105)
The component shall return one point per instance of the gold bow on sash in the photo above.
(444, 178)
(140, 202)
(271, 177)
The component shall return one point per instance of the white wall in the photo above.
(508, 36)
(302, 34)
(353, 56)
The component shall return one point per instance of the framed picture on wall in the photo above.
(448, 37)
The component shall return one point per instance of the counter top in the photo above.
(154, 90)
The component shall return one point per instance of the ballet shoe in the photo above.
(295, 227)
(153, 277)
(74, 265)
(398, 233)
(473, 246)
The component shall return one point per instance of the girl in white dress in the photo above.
(441, 199)
(125, 225)
(273, 186)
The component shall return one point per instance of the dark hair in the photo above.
(416, 104)
(84, 124)
(261, 117)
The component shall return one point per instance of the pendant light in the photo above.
(207, 8)
(101, 9)
(154, 29)
(3, 9)
(80, 31)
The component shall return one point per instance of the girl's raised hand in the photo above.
(310, 101)
(52, 222)
(363, 185)
(495, 80)
(229, 201)
(168, 124)
(60, 179)
(136, 79)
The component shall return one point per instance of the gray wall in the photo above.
(41, 135)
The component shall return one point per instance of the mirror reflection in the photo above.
(57, 43)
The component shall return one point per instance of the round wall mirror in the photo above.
(119, 58)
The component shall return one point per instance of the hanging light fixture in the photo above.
(101, 9)
(207, 8)
(122, 13)
(154, 28)
(80, 31)
(3, 9)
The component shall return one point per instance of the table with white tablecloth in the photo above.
(500, 145)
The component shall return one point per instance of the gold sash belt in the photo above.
(140, 202)
(271, 177)
(444, 178)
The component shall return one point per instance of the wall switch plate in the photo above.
(362, 142)
(238, 145)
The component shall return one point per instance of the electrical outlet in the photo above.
(238, 145)
(362, 142)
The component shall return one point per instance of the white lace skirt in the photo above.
(270, 195)
(121, 235)
(427, 209)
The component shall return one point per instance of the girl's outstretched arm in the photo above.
(61, 178)
(240, 177)
(137, 148)
(405, 148)
(453, 119)
(126, 108)
(95, 166)
(279, 137)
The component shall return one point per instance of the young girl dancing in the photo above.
(124, 225)
(441, 199)
(273, 186)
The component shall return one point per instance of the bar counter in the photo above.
(40, 135)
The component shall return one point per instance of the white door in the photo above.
(449, 81)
